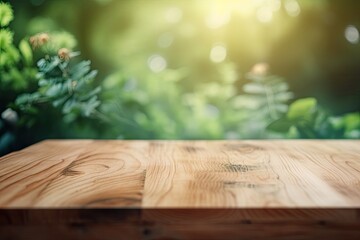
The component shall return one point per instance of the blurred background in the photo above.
(179, 69)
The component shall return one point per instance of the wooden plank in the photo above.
(179, 224)
(49, 146)
(252, 174)
(253, 189)
(175, 232)
(99, 174)
(182, 174)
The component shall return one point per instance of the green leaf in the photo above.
(6, 14)
(69, 106)
(249, 101)
(6, 38)
(282, 108)
(54, 90)
(280, 125)
(278, 85)
(352, 121)
(254, 88)
(43, 82)
(13, 54)
(47, 66)
(90, 94)
(90, 106)
(349, 123)
(283, 96)
(321, 118)
(90, 76)
(80, 70)
(22, 99)
(301, 108)
(59, 101)
(27, 98)
(353, 134)
(26, 52)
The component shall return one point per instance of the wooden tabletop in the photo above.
(264, 180)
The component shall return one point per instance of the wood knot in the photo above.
(240, 167)
(69, 172)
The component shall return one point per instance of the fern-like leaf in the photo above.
(270, 93)
(66, 86)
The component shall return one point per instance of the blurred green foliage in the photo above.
(16, 74)
(174, 70)
(15, 63)
(305, 119)
(27, 92)
(142, 110)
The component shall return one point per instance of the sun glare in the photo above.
(219, 12)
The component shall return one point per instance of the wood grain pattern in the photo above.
(297, 189)
(61, 175)
(253, 174)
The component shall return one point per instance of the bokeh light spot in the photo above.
(264, 14)
(275, 5)
(157, 63)
(218, 53)
(292, 8)
(352, 34)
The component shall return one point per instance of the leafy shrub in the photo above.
(63, 86)
(265, 99)
(27, 92)
(17, 75)
(306, 119)
(158, 107)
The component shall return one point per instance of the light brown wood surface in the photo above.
(183, 189)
